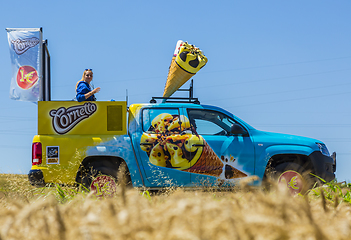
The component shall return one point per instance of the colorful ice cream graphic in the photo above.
(171, 143)
(186, 62)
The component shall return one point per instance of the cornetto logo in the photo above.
(63, 120)
(20, 46)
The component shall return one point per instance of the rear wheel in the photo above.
(102, 177)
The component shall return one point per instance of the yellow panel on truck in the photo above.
(67, 128)
(74, 118)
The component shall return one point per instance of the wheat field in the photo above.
(243, 213)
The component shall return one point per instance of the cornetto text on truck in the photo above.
(168, 144)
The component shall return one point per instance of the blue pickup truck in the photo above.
(179, 144)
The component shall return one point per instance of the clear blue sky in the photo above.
(282, 66)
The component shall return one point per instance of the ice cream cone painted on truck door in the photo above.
(170, 144)
(208, 163)
(186, 62)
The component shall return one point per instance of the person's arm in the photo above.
(83, 92)
(89, 94)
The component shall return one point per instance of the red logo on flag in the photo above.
(27, 76)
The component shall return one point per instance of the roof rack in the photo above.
(189, 99)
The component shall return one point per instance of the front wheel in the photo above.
(293, 176)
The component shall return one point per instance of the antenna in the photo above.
(127, 96)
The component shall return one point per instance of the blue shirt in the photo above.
(82, 89)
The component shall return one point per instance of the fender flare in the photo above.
(117, 153)
(271, 151)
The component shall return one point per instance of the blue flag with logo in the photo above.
(26, 57)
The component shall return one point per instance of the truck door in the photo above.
(160, 147)
(226, 156)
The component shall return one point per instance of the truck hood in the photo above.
(270, 138)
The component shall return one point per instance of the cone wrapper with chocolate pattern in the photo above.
(185, 63)
(176, 78)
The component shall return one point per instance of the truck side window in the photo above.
(159, 120)
(210, 122)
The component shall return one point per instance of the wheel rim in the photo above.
(292, 180)
(103, 186)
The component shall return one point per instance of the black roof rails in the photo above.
(189, 99)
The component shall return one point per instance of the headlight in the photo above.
(323, 149)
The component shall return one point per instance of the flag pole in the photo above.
(46, 84)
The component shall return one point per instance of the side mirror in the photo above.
(237, 129)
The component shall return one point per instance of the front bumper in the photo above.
(36, 178)
(324, 166)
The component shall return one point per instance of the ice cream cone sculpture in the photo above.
(171, 144)
(187, 60)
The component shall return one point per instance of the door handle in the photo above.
(198, 145)
(146, 144)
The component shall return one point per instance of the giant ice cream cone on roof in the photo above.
(186, 62)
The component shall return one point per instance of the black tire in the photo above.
(297, 178)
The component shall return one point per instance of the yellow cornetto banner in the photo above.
(87, 118)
